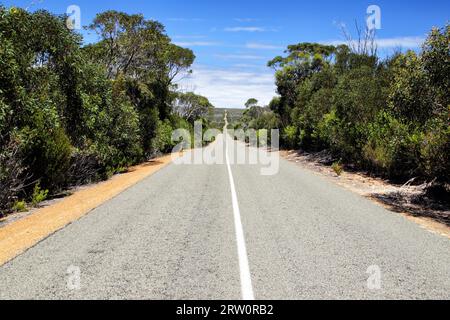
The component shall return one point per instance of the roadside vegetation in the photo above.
(72, 114)
(260, 119)
(388, 116)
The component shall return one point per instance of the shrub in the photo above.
(410, 96)
(19, 206)
(434, 151)
(162, 143)
(390, 116)
(392, 147)
(435, 59)
(384, 137)
(290, 136)
(263, 136)
(12, 178)
(39, 195)
(358, 98)
(47, 150)
(84, 168)
(337, 168)
(318, 105)
(123, 129)
(327, 129)
(71, 114)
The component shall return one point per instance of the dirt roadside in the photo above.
(400, 199)
(21, 232)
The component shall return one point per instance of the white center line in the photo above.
(246, 279)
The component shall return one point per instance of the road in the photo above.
(218, 231)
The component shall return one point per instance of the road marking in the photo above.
(246, 279)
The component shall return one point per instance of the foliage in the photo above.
(390, 116)
(19, 206)
(39, 195)
(256, 117)
(290, 136)
(163, 141)
(73, 114)
(191, 106)
(252, 102)
(11, 174)
(47, 151)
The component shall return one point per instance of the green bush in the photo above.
(19, 206)
(47, 150)
(390, 116)
(410, 96)
(12, 179)
(327, 130)
(263, 136)
(39, 195)
(358, 97)
(434, 150)
(387, 148)
(72, 114)
(163, 140)
(290, 136)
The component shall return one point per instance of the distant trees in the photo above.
(252, 102)
(390, 116)
(257, 118)
(71, 114)
(191, 106)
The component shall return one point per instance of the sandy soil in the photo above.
(435, 217)
(22, 231)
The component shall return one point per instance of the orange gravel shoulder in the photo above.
(21, 235)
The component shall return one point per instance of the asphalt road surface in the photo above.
(224, 231)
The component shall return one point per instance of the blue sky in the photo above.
(233, 40)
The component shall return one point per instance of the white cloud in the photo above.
(239, 57)
(385, 43)
(197, 44)
(405, 42)
(247, 65)
(189, 37)
(185, 19)
(245, 19)
(245, 29)
(227, 88)
(262, 46)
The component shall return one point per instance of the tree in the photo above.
(140, 51)
(191, 106)
(179, 61)
(436, 64)
(71, 114)
(120, 39)
(252, 102)
(303, 60)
